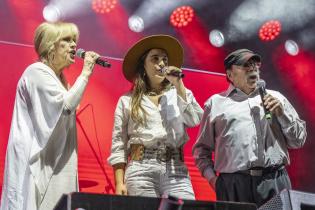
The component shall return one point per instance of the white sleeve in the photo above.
(293, 128)
(73, 97)
(204, 146)
(190, 109)
(119, 135)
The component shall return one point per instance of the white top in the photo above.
(166, 123)
(42, 142)
(234, 127)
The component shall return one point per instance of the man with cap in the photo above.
(250, 151)
(151, 120)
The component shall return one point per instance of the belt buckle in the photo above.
(164, 154)
(137, 152)
(254, 172)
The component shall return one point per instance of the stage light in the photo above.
(216, 38)
(135, 23)
(291, 47)
(182, 16)
(51, 13)
(270, 30)
(103, 6)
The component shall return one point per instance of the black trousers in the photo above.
(240, 187)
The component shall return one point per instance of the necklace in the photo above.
(154, 92)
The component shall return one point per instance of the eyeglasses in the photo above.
(252, 64)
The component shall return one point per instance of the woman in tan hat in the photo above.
(150, 122)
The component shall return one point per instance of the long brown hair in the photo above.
(141, 86)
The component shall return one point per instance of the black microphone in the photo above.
(173, 73)
(261, 84)
(81, 53)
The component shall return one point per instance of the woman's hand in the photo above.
(119, 172)
(173, 79)
(89, 62)
(176, 81)
(121, 189)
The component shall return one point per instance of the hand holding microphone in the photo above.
(174, 75)
(270, 103)
(81, 53)
(89, 62)
(172, 71)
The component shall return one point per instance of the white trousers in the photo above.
(153, 178)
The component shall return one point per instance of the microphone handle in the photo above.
(81, 53)
(263, 92)
(177, 74)
(103, 63)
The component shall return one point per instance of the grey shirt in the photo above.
(235, 129)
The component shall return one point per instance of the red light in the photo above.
(270, 30)
(182, 16)
(103, 6)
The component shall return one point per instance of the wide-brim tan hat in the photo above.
(168, 43)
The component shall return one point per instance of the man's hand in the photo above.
(273, 105)
(212, 182)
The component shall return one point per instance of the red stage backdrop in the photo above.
(109, 34)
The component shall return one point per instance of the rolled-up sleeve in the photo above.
(204, 146)
(293, 128)
(119, 135)
(190, 109)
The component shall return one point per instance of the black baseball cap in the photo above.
(240, 57)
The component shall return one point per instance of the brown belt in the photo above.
(164, 154)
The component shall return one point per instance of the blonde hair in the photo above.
(48, 34)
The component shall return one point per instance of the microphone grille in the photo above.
(80, 53)
(261, 83)
(163, 70)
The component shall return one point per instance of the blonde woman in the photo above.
(41, 159)
(150, 122)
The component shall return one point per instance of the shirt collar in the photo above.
(232, 89)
